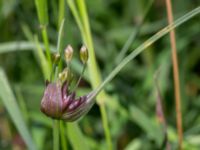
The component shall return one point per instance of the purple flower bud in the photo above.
(59, 103)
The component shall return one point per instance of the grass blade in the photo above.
(61, 12)
(145, 45)
(42, 11)
(133, 35)
(42, 60)
(76, 137)
(9, 102)
(93, 69)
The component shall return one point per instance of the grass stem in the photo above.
(55, 135)
(62, 135)
(82, 20)
(46, 43)
(106, 127)
(175, 74)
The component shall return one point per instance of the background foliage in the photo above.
(131, 108)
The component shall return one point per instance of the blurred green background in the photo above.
(131, 109)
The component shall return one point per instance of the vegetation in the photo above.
(145, 97)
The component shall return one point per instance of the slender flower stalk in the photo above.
(84, 58)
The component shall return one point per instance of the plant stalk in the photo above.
(46, 43)
(175, 74)
(56, 135)
(62, 135)
(82, 20)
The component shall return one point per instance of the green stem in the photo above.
(61, 12)
(56, 123)
(55, 135)
(94, 72)
(92, 64)
(105, 126)
(46, 42)
(79, 80)
(62, 135)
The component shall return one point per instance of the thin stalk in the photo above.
(145, 45)
(134, 34)
(43, 61)
(175, 74)
(79, 80)
(46, 43)
(59, 50)
(61, 12)
(87, 36)
(62, 136)
(76, 15)
(105, 126)
(59, 42)
(55, 135)
(56, 123)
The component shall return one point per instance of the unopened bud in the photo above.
(68, 53)
(56, 58)
(63, 75)
(84, 54)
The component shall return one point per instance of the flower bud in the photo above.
(56, 58)
(84, 54)
(68, 53)
(63, 76)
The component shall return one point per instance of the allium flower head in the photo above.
(59, 102)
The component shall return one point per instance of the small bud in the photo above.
(68, 53)
(84, 54)
(64, 75)
(56, 58)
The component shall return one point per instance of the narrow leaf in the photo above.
(42, 11)
(76, 139)
(11, 105)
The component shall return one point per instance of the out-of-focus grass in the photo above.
(132, 115)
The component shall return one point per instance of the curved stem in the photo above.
(146, 44)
